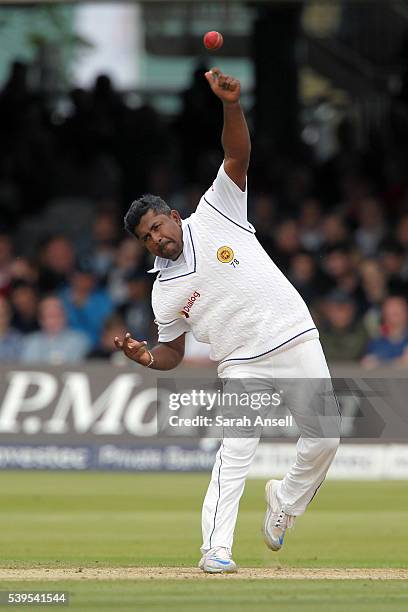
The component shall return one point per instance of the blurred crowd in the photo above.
(71, 279)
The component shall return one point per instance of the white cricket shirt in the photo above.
(224, 287)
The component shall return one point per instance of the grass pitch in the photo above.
(246, 595)
(57, 520)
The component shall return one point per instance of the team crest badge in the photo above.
(225, 254)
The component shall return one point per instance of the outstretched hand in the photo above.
(135, 350)
(225, 87)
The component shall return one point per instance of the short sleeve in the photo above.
(168, 331)
(227, 197)
(170, 324)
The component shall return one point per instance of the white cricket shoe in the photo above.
(216, 561)
(276, 520)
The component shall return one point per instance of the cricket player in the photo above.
(215, 279)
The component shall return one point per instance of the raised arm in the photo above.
(235, 135)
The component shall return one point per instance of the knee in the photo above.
(317, 448)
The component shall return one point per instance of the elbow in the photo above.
(178, 356)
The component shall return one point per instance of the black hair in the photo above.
(388, 245)
(140, 207)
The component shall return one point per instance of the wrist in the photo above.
(232, 104)
(151, 360)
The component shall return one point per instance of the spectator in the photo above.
(57, 260)
(113, 326)
(371, 228)
(198, 131)
(392, 345)
(129, 258)
(392, 258)
(103, 244)
(6, 261)
(24, 270)
(107, 152)
(334, 231)
(401, 232)
(10, 339)
(343, 336)
(137, 310)
(340, 266)
(305, 276)
(24, 300)
(287, 244)
(106, 101)
(310, 225)
(401, 235)
(54, 343)
(264, 220)
(86, 307)
(374, 286)
(75, 132)
(15, 97)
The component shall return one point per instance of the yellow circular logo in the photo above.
(225, 254)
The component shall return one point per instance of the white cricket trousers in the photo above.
(235, 455)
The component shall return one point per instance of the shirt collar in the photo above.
(185, 257)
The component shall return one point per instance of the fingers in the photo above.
(212, 76)
(129, 345)
(138, 350)
(118, 343)
(227, 82)
(216, 77)
(215, 73)
(226, 85)
(133, 344)
(209, 77)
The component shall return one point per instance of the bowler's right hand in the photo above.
(135, 350)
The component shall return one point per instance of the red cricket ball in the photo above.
(213, 40)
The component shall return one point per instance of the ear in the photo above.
(175, 215)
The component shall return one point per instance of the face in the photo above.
(59, 256)
(370, 213)
(334, 229)
(373, 280)
(161, 234)
(138, 289)
(340, 315)
(129, 254)
(303, 267)
(310, 213)
(264, 209)
(395, 312)
(392, 263)
(338, 264)
(105, 229)
(24, 300)
(287, 238)
(52, 315)
(83, 282)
